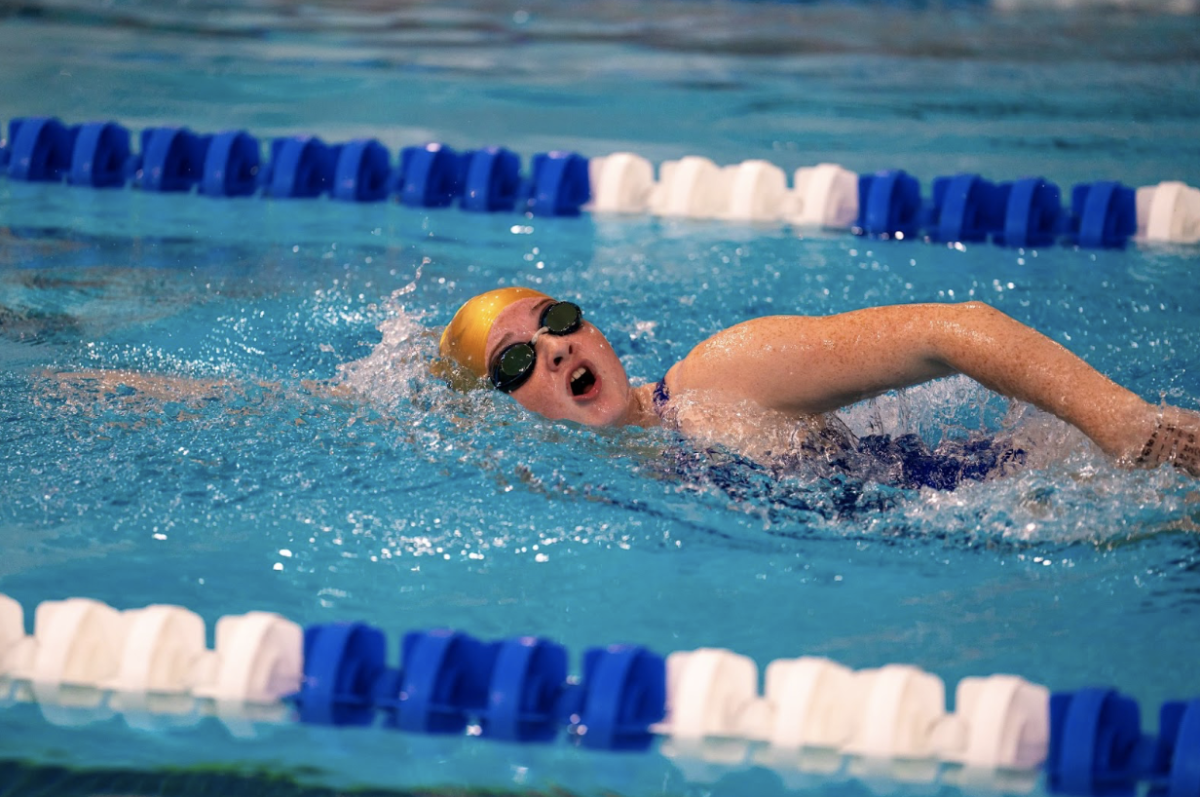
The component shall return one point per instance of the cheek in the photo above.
(602, 343)
(608, 359)
(600, 350)
(537, 397)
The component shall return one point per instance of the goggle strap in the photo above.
(536, 335)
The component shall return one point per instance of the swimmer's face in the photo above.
(577, 377)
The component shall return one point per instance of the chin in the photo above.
(600, 413)
(610, 413)
(603, 421)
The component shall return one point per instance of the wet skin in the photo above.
(803, 367)
(606, 401)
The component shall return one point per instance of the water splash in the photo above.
(396, 372)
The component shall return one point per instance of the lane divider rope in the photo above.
(962, 208)
(520, 689)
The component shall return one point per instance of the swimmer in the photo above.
(749, 387)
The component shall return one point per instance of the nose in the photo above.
(556, 349)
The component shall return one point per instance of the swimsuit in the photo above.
(661, 397)
(906, 461)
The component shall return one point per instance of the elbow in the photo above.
(950, 321)
(965, 330)
(977, 315)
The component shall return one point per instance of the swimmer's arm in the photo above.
(136, 386)
(813, 365)
(121, 382)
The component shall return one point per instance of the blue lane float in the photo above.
(1096, 746)
(516, 689)
(171, 160)
(301, 167)
(527, 679)
(559, 185)
(39, 149)
(962, 208)
(442, 682)
(492, 180)
(232, 165)
(1032, 213)
(624, 692)
(1176, 768)
(429, 177)
(965, 208)
(1103, 215)
(889, 204)
(362, 172)
(342, 663)
(99, 156)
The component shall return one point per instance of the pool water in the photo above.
(276, 441)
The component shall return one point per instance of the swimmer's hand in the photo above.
(1175, 439)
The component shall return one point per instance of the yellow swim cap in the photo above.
(465, 338)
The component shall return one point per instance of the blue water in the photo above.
(315, 468)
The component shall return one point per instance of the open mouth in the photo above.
(582, 381)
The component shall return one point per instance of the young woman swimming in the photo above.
(771, 385)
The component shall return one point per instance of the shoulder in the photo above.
(733, 349)
(754, 332)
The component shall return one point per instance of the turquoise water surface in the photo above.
(294, 454)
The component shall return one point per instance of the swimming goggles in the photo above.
(516, 363)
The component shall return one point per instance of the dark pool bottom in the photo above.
(21, 779)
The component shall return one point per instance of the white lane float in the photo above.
(757, 192)
(898, 709)
(259, 658)
(1001, 722)
(1169, 212)
(694, 187)
(621, 183)
(13, 640)
(162, 647)
(825, 196)
(812, 698)
(76, 642)
(713, 693)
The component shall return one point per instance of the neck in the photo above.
(639, 410)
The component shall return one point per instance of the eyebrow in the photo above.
(511, 337)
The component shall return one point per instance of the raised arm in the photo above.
(817, 364)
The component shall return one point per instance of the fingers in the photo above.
(1176, 439)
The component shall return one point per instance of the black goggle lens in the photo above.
(516, 363)
(516, 360)
(562, 318)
